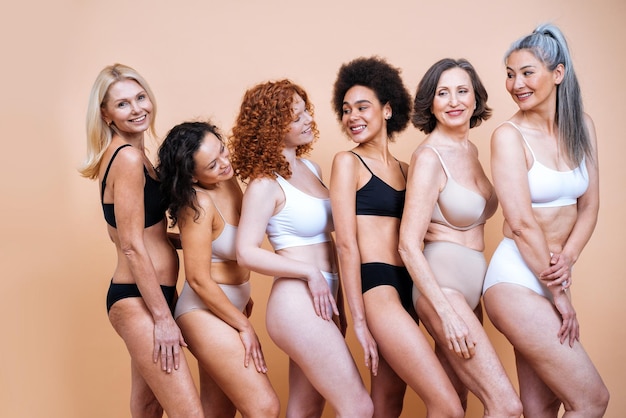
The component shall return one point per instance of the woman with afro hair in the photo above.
(367, 193)
(287, 200)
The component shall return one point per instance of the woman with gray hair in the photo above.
(545, 170)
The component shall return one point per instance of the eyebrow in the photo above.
(358, 102)
(521, 68)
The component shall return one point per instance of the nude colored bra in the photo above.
(460, 208)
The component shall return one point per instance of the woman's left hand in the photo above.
(559, 272)
(458, 336)
(252, 347)
(323, 300)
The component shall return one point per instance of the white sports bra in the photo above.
(552, 188)
(304, 220)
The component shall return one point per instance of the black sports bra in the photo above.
(377, 198)
(153, 202)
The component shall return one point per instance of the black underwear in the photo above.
(119, 291)
(380, 274)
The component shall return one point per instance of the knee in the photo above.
(597, 404)
(512, 408)
(269, 407)
(145, 407)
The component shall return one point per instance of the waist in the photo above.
(229, 273)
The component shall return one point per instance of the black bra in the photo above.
(378, 198)
(153, 202)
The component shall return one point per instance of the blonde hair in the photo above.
(99, 135)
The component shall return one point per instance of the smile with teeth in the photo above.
(357, 129)
(139, 119)
(523, 95)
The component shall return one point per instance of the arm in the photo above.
(129, 213)
(343, 186)
(424, 182)
(587, 216)
(510, 176)
(196, 236)
(260, 200)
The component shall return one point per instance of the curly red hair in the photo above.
(257, 139)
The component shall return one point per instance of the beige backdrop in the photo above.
(59, 354)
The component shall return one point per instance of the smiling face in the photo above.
(454, 101)
(211, 162)
(363, 115)
(529, 82)
(300, 128)
(128, 107)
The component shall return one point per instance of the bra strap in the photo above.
(522, 135)
(363, 162)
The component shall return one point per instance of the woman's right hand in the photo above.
(167, 342)
(458, 336)
(370, 348)
(570, 329)
(323, 300)
(253, 350)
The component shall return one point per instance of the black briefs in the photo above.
(119, 291)
(380, 274)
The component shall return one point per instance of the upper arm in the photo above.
(260, 201)
(128, 181)
(197, 237)
(509, 172)
(591, 198)
(343, 186)
(424, 182)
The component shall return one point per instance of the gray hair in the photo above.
(547, 43)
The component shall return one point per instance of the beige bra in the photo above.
(460, 208)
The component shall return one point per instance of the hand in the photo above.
(253, 350)
(570, 328)
(559, 272)
(167, 342)
(370, 348)
(248, 309)
(458, 336)
(323, 301)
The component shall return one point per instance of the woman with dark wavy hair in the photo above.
(367, 194)
(212, 311)
(287, 200)
(449, 198)
(545, 170)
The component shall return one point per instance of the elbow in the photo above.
(242, 258)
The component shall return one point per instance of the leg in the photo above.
(176, 391)
(407, 351)
(459, 386)
(320, 351)
(483, 374)
(220, 354)
(215, 403)
(143, 403)
(531, 325)
(387, 391)
(539, 400)
(304, 400)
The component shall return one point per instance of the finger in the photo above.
(374, 368)
(316, 305)
(170, 359)
(155, 353)
(176, 356)
(163, 358)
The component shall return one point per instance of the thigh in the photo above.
(304, 399)
(221, 354)
(388, 391)
(175, 391)
(405, 347)
(215, 403)
(483, 373)
(531, 323)
(315, 344)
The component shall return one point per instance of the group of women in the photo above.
(409, 243)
